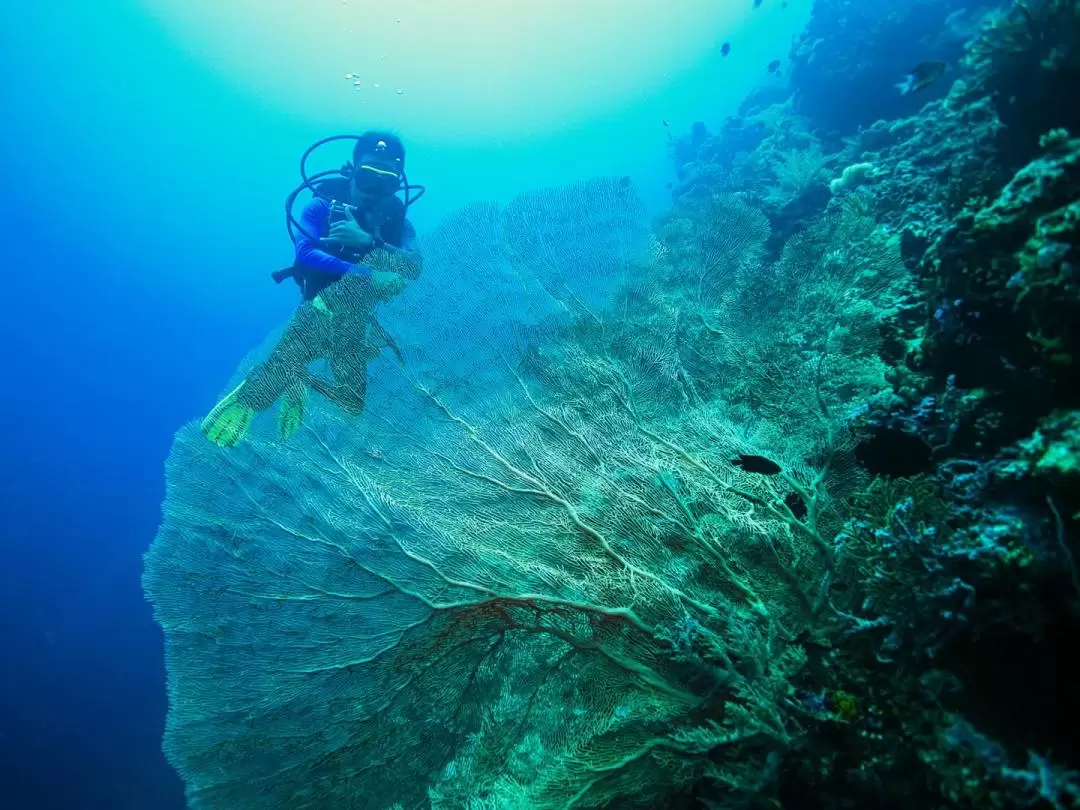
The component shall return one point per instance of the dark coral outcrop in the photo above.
(966, 596)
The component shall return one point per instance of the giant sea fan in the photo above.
(557, 591)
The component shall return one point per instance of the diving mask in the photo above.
(379, 170)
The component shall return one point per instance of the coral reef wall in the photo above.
(968, 590)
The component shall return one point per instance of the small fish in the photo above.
(796, 504)
(757, 3)
(924, 75)
(755, 464)
(725, 49)
(774, 66)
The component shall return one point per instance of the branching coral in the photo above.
(796, 173)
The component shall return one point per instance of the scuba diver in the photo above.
(354, 248)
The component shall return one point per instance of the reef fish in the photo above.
(797, 505)
(923, 75)
(756, 464)
(774, 66)
(725, 49)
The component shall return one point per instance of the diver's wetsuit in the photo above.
(335, 321)
(318, 269)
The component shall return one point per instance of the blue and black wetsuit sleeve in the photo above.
(315, 220)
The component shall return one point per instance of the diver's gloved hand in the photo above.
(386, 285)
(350, 234)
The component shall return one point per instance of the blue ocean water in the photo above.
(145, 158)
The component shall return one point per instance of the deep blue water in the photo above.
(109, 348)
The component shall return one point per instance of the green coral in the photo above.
(1015, 262)
(1047, 267)
(1043, 195)
(1048, 260)
(1053, 450)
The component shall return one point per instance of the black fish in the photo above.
(774, 66)
(922, 76)
(757, 3)
(756, 464)
(796, 504)
(725, 49)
